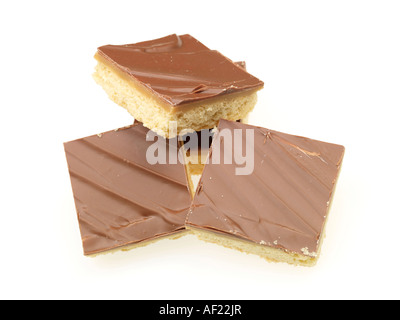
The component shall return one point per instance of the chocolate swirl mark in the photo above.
(170, 43)
(200, 88)
(309, 154)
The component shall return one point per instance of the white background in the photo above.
(331, 71)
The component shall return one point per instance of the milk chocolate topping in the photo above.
(180, 69)
(120, 198)
(282, 204)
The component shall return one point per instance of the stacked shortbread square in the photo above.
(176, 79)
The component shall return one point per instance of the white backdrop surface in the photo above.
(331, 71)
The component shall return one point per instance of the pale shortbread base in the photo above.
(269, 253)
(147, 110)
(129, 247)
